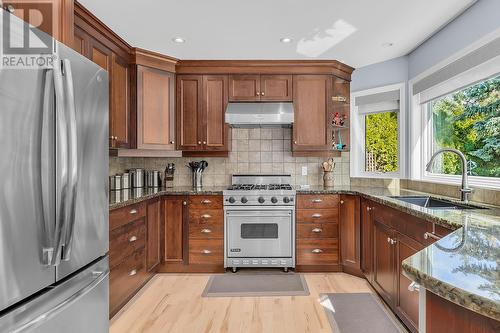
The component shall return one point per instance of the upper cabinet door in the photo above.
(276, 88)
(155, 109)
(215, 99)
(81, 42)
(244, 88)
(311, 99)
(120, 102)
(189, 103)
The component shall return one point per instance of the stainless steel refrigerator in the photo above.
(54, 195)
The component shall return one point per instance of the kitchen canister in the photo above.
(328, 178)
(115, 183)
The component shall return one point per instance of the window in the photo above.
(467, 120)
(378, 114)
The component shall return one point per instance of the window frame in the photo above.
(358, 149)
(427, 151)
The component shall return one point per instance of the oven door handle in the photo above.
(270, 213)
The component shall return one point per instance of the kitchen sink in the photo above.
(434, 203)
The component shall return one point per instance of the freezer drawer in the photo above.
(78, 305)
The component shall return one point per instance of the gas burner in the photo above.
(274, 187)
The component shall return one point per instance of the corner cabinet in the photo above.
(350, 225)
(155, 96)
(312, 103)
(201, 107)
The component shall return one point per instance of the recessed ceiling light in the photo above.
(179, 40)
(286, 40)
(388, 44)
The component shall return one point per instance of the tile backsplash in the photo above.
(256, 151)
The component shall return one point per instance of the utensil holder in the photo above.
(197, 180)
(328, 179)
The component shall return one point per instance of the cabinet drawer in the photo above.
(126, 278)
(318, 215)
(204, 216)
(317, 252)
(205, 201)
(308, 201)
(124, 241)
(125, 215)
(209, 251)
(317, 230)
(206, 231)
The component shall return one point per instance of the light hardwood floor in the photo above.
(173, 303)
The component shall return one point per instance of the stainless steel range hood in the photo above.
(263, 114)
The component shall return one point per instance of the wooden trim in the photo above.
(332, 67)
(153, 59)
(172, 267)
(188, 153)
(97, 29)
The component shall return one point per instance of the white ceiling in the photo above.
(351, 31)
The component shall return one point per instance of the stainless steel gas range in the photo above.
(259, 222)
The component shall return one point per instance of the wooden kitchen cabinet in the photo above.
(201, 107)
(265, 87)
(366, 239)
(384, 261)
(155, 109)
(317, 229)
(350, 233)
(174, 229)
(312, 103)
(153, 255)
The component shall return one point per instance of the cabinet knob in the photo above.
(172, 142)
(317, 251)
(317, 230)
(199, 142)
(206, 251)
(206, 202)
(368, 208)
(133, 211)
(132, 272)
(132, 239)
(294, 142)
(116, 138)
(206, 231)
(206, 216)
(262, 93)
(204, 142)
(341, 202)
(388, 239)
(184, 203)
(258, 93)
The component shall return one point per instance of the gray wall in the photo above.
(476, 22)
(380, 74)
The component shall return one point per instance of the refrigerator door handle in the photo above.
(72, 161)
(61, 131)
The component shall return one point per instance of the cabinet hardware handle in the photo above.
(388, 239)
(206, 216)
(116, 138)
(317, 230)
(316, 200)
(133, 211)
(316, 216)
(206, 251)
(258, 93)
(132, 239)
(414, 286)
(295, 142)
(204, 142)
(206, 231)
(184, 203)
(206, 202)
(393, 241)
(428, 235)
(132, 272)
(317, 251)
(368, 208)
(172, 142)
(199, 142)
(341, 202)
(262, 93)
(11, 9)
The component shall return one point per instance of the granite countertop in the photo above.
(462, 267)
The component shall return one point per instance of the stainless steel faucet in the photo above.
(465, 190)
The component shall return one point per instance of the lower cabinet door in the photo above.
(383, 265)
(153, 234)
(208, 251)
(406, 301)
(317, 251)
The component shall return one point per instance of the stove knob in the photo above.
(244, 200)
(286, 199)
(232, 200)
(274, 200)
(261, 200)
